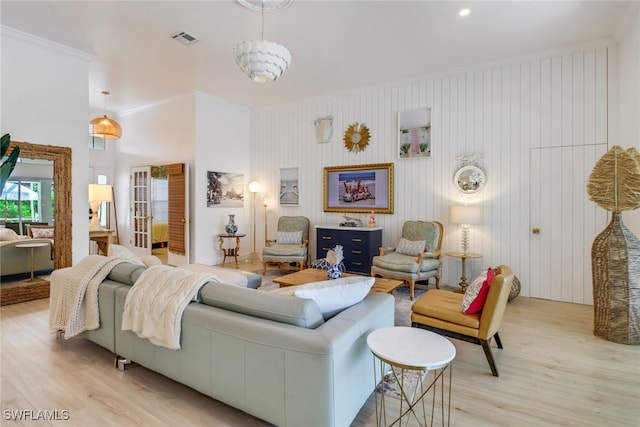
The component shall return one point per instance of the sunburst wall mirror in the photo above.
(356, 137)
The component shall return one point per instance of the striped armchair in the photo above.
(291, 244)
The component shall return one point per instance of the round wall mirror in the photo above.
(469, 179)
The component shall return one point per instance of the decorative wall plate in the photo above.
(356, 137)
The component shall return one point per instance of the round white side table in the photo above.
(32, 246)
(412, 349)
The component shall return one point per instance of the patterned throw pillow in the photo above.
(411, 247)
(477, 291)
(42, 233)
(289, 237)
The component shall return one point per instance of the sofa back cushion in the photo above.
(265, 305)
(7, 234)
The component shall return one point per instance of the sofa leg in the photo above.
(122, 364)
(498, 341)
(60, 335)
(487, 352)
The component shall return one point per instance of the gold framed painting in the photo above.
(358, 188)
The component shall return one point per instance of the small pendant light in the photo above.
(104, 127)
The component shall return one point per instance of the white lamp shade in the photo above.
(466, 214)
(263, 61)
(254, 187)
(100, 193)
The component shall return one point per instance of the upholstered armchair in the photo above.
(415, 258)
(441, 311)
(291, 244)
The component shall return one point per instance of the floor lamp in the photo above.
(254, 187)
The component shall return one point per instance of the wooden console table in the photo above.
(102, 239)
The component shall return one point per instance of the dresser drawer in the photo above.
(359, 246)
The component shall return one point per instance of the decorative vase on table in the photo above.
(231, 227)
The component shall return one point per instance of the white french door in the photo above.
(140, 214)
(564, 222)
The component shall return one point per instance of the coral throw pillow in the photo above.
(477, 292)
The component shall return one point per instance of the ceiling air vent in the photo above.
(184, 38)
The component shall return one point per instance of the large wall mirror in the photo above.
(61, 158)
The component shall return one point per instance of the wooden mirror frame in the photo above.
(61, 157)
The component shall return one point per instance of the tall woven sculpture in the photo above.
(614, 184)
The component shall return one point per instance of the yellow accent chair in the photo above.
(291, 246)
(440, 311)
(415, 258)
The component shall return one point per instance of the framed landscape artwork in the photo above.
(360, 188)
(289, 187)
(414, 134)
(225, 190)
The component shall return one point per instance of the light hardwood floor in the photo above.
(553, 372)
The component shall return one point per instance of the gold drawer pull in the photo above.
(356, 240)
(326, 237)
(356, 263)
(356, 252)
(326, 249)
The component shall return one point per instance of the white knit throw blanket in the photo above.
(154, 305)
(222, 275)
(73, 300)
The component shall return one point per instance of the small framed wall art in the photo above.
(289, 187)
(360, 188)
(414, 134)
(225, 190)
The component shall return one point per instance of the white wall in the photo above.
(45, 101)
(223, 133)
(159, 134)
(547, 100)
(629, 86)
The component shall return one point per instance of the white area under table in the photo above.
(412, 349)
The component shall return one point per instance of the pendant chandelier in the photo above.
(104, 127)
(263, 61)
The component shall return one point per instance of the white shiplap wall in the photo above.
(502, 112)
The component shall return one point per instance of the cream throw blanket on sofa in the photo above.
(73, 301)
(154, 305)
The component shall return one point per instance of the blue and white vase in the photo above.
(231, 227)
(334, 272)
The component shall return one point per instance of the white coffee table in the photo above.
(412, 349)
(32, 245)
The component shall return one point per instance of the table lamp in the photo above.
(465, 215)
(98, 193)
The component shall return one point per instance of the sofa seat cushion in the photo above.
(278, 249)
(445, 306)
(266, 305)
(404, 263)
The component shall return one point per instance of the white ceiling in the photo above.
(336, 46)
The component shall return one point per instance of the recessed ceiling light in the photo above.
(464, 12)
